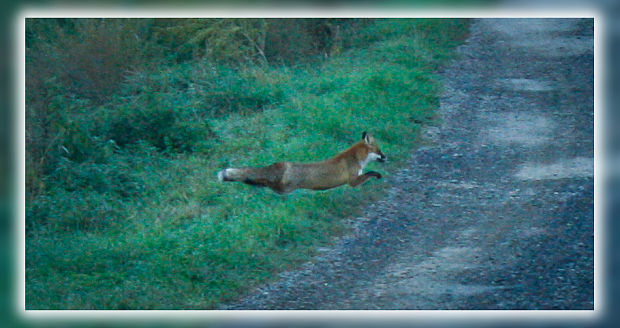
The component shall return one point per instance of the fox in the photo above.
(285, 177)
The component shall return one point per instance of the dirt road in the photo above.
(498, 212)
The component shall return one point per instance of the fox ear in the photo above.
(364, 136)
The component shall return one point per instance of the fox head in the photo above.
(374, 153)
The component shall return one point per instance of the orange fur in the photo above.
(284, 177)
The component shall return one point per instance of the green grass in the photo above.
(153, 229)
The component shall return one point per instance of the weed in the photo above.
(148, 226)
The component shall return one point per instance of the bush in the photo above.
(243, 41)
(72, 65)
(230, 41)
(163, 127)
(101, 178)
(59, 126)
(64, 211)
(132, 214)
(84, 196)
(90, 57)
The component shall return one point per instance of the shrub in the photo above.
(132, 217)
(89, 56)
(65, 211)
(72, 64)
(160, 125)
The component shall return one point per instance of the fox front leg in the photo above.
(363, 177)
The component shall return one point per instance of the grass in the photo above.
(155, 230)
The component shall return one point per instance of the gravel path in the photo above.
(498, 212)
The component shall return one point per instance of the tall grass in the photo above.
(150, 227)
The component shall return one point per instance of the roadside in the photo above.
(497, 213)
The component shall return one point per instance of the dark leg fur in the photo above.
(268, 176)
(362, 178)
(254, 183)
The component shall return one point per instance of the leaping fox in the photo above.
(284, 177)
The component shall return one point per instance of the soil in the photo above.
(498, 211)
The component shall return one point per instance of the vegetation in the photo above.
(128, 122)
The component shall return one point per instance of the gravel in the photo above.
(497, 213)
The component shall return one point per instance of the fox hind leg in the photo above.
(268, 176)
